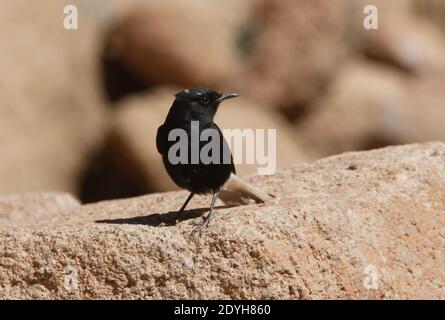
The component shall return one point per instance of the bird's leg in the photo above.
(187, 202)
(209, 216)
(212, 205)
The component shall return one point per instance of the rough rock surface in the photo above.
(357, 225)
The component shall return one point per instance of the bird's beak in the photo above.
(226, 96)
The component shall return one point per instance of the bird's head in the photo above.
(200, 103)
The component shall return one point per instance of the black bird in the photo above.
(196, 104)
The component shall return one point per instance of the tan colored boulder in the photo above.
(409, 43)
(366, 225)
(133, 136)
(298, 47)
(190, 43)
(51, 112)
(433, 10)
(369, 106)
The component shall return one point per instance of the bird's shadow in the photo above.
(170, 218)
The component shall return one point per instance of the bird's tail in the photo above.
(236, 191)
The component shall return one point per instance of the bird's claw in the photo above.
(198, 229)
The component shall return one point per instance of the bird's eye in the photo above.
(205, 100)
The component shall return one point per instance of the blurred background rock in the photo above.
(79, 109)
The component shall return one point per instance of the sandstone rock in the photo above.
(51, 113)
(186, 43)
(299, 45)
(369, 106)
(133, 136)
(366, 225)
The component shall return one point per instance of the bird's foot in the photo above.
(198, 229)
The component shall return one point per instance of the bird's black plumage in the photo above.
(191, 105)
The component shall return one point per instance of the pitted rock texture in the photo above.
(365, 225)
